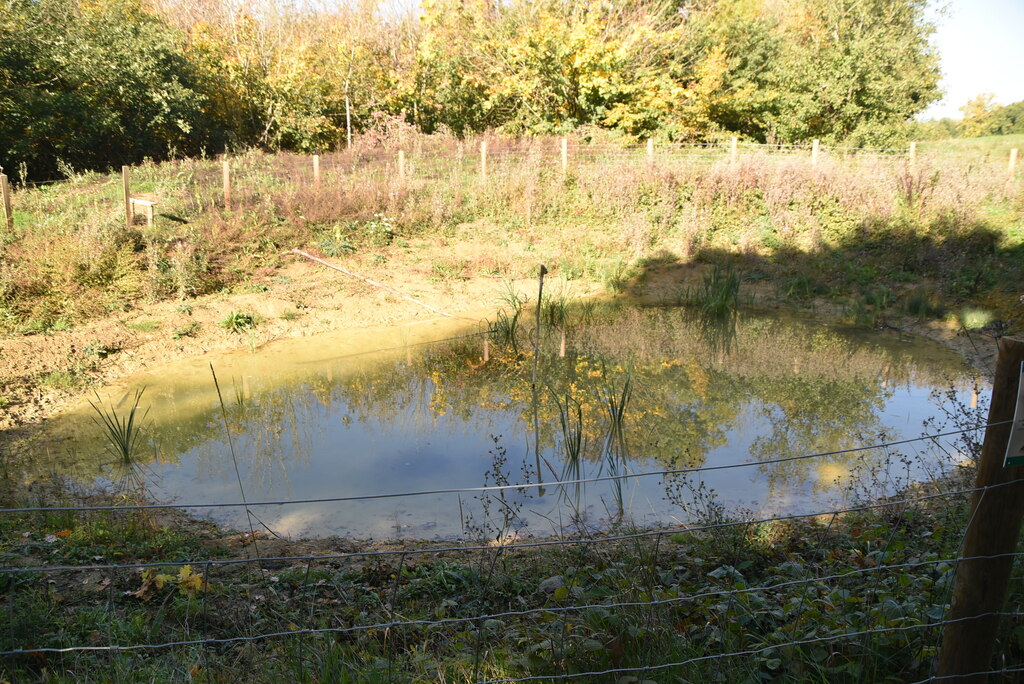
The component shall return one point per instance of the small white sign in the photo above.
(1015, 448)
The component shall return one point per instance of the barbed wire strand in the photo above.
(938, 678)
(392, 624)
(512, 546)
(498, 488)
(753, 651)
(356, 160)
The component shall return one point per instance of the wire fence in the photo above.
(441, 160)
(656, 595)
(889, 570)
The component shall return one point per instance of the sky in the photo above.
(981, 43)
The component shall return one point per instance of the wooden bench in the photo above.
(147, 202)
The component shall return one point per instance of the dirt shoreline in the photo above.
(301, 299)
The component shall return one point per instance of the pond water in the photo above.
(637, 390)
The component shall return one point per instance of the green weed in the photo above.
(143, 325)
(190, 330)
(238, 322)
(718, 295)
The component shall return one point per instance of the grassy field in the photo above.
(873, 237)
(845, 599)
(989, 148)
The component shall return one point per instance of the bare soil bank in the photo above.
(40, 374)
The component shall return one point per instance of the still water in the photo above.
(637, 390)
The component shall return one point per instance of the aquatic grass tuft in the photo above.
(615, 451)
(570, 420)
(122, 434)
(719, 293)
(505, 328)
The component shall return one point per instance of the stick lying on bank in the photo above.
(375, 284)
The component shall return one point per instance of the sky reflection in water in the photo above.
(310, 422)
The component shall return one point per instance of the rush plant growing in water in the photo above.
(719, 293)
(570, 419)
(615, 444)
(122, 434)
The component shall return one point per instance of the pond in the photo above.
(621, 391)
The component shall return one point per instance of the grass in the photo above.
(995, 147)
(122, 433)
(238, 322)
(718, 296)
(183, 599)
(949, 222)
(143, 325)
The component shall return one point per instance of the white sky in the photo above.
(981, 43)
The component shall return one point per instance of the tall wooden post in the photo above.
(650, 150)
(226, 172)
(401, 165)
(1012, 168)
(994, 527)
(565, 155)
(127, 197)
(814, 152)
(316, 171)
(348, 124)
(483, 161)
(912, 154)
(734, 150)
(5, 190)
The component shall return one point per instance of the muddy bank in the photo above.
(42, 374)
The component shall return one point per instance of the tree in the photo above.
(978, 114)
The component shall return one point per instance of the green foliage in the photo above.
(238, 322)
(122, 432)
(118, 81)
(719, 293)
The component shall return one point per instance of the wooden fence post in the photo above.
(814, 152)
(5, 190)
(913, 153)
(565, 155)
(483, 161)
(401, 165)
(316, 171)
(734, 150)
(226, 172)
(650, 151)
(994, 527)
(127, 197)
(1012, 168)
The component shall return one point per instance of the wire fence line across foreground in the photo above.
(944, 567)
(501, 488)
(535, 611)
(584, 540)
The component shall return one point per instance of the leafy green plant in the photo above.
(190, 330)
(616, 277)
(238, 322)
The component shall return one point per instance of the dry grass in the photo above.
(71, 258)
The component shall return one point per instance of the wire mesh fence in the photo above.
(851, 593)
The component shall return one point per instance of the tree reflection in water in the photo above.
(673, 392)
